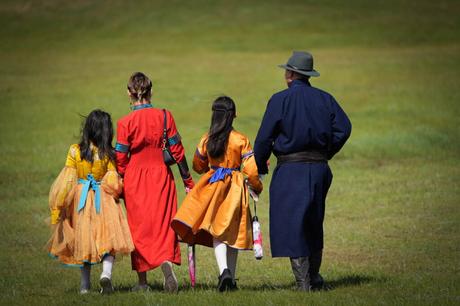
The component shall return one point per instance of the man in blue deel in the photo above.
(304, 127)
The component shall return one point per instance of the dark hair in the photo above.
(140, 86)
(302, 77)
(97, 129)
(223, 112)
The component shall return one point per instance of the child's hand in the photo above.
(187, 190)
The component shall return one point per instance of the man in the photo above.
(304, 127)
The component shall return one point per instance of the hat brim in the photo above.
(312, 73)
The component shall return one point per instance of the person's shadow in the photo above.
(330, 284)
(351, 281)
(344, 281)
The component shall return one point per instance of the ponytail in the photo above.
(223, 113)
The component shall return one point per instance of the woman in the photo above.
(149, 189)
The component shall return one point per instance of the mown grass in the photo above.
(392, 224)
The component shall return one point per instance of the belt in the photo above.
(302, 157)
(220, 173)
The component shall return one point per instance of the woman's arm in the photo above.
(122, 148)
(178, 151)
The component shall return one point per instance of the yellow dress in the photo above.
(85, 228)
(218, 205)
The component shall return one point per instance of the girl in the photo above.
(216, 212)
(150, 192)
(89, 225)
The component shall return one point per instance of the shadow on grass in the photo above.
(344, 281)
(158, 287)
(352, 280)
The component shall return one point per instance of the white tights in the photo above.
(107, 264)
(226, 256)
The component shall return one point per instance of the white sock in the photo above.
(232, 256)
(107, 264)
(85, 281)
(220, 249)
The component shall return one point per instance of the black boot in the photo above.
(225, 281)
(316, 280)
(300, 267)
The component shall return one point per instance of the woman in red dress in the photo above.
(149, 189)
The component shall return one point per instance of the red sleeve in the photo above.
(174, 139)
(122, 148)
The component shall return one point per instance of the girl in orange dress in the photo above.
(88, 221)
(216, 211)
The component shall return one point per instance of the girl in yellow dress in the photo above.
(87, 218)
(216, 211)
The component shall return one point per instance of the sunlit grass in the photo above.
(392, 219)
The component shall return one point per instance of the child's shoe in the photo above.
(170, 282)
(106, 285)
(225, 281)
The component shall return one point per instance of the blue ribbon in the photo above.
(87, 184)
(221, 173)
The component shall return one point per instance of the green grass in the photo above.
(392, 223)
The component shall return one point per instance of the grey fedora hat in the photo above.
(301, 62)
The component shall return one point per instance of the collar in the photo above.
(299, 83)
(141, 106)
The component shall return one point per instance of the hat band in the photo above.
(296, 68)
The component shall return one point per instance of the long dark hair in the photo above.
(223, 113)
(97, 129)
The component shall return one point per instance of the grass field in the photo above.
(393, 221)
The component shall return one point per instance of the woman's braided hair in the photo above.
(140, 87)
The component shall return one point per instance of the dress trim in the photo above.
(247, 154)
(174, 140)
(122, 148)
(141, 106)
(202, 157)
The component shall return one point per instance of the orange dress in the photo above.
(218, 205)
(87, 218)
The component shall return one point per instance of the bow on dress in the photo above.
(90, 182)
(220, 173)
